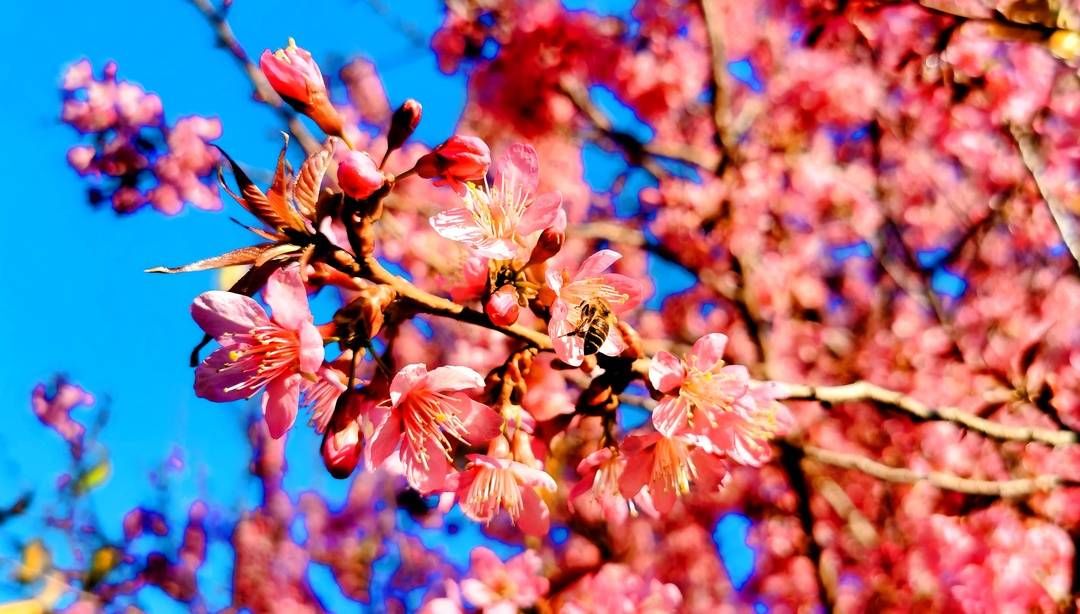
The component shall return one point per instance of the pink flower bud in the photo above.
(341, 450)
(358, 175)
(502, 306)
(403, 123)
(296, 77)
(456, 160)
(550, 240)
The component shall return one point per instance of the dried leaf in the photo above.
(274, 252)
(244, 255)
(251, 197)
(279, 193)
(309, 182)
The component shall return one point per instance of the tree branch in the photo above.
(1005, 489)
(720, 104)
(866, 391)
(1066, 224)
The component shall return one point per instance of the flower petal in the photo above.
(458, 224)
(632, 288)
(518, 168)
(708, 350)
(213, 383)
(280, 404)
(535, 518)
(383, 441)
(568, 348)
(671, 414)
(541, 214)
(666, 372)
(423, 478)
(597, 263)
(452, 378)
(287, 297)
(613, 344)
(482, 423)
(311, 348)
(219, 313)
(408, 378)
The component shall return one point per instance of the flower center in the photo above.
(428, 415)
(263, 354)
(672, 466)
(494, 489)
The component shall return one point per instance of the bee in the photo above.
(595, 321)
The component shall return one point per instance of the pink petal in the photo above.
(458, 224)
(425, 479)
(311, 348)
(597, 263)
(530, 476)
(554, 280)
(212, 384)
(477, 593)
(568, 348)
(662, 497)
(535, 518)
(281, 403)
(709, 350)
(541, 214)
(383, 441)
(594, 460)
(408, 378)
(518, 168)
(482, 423)
(453, 378)
(497, 249)
(484, 564)
(666, 372)
(218, 313)
(632, 288)
(287, 297)
(613, 344)
(671, 414)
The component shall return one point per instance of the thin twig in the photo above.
(866, 391)
(1005, 489)
(720, 105)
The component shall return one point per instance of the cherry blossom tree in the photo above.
(875, 358)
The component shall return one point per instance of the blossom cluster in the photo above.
(132, 155)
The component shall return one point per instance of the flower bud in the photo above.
(403, 123)
(502, 306)
(341, 450)
(550, 241)
(296, 77)
(358, 176)
(456, 160)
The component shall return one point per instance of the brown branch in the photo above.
(425, 302)
(1066, 224)
(1006, 489)
(720, 104)
(866, 391)
(791, 458)
(227, 40)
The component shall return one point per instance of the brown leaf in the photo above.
(252, 198)
(244, 255)
(309, 182)
(279, 193)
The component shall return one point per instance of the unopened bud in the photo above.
(341, 450)
(358, 175)
(550, 241)
(458, 159)
(403, 123)
(502, 306)
(296, 77)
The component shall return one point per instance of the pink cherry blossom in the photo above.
(600, 473)
(493, 483)
(618, 293)
(259, 351)
(503, 219)
(503, 588)
(701, 385)
(428, 411)
(668, 465)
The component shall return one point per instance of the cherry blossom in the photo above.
(503, 588)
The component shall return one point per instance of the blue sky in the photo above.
(75, 299)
